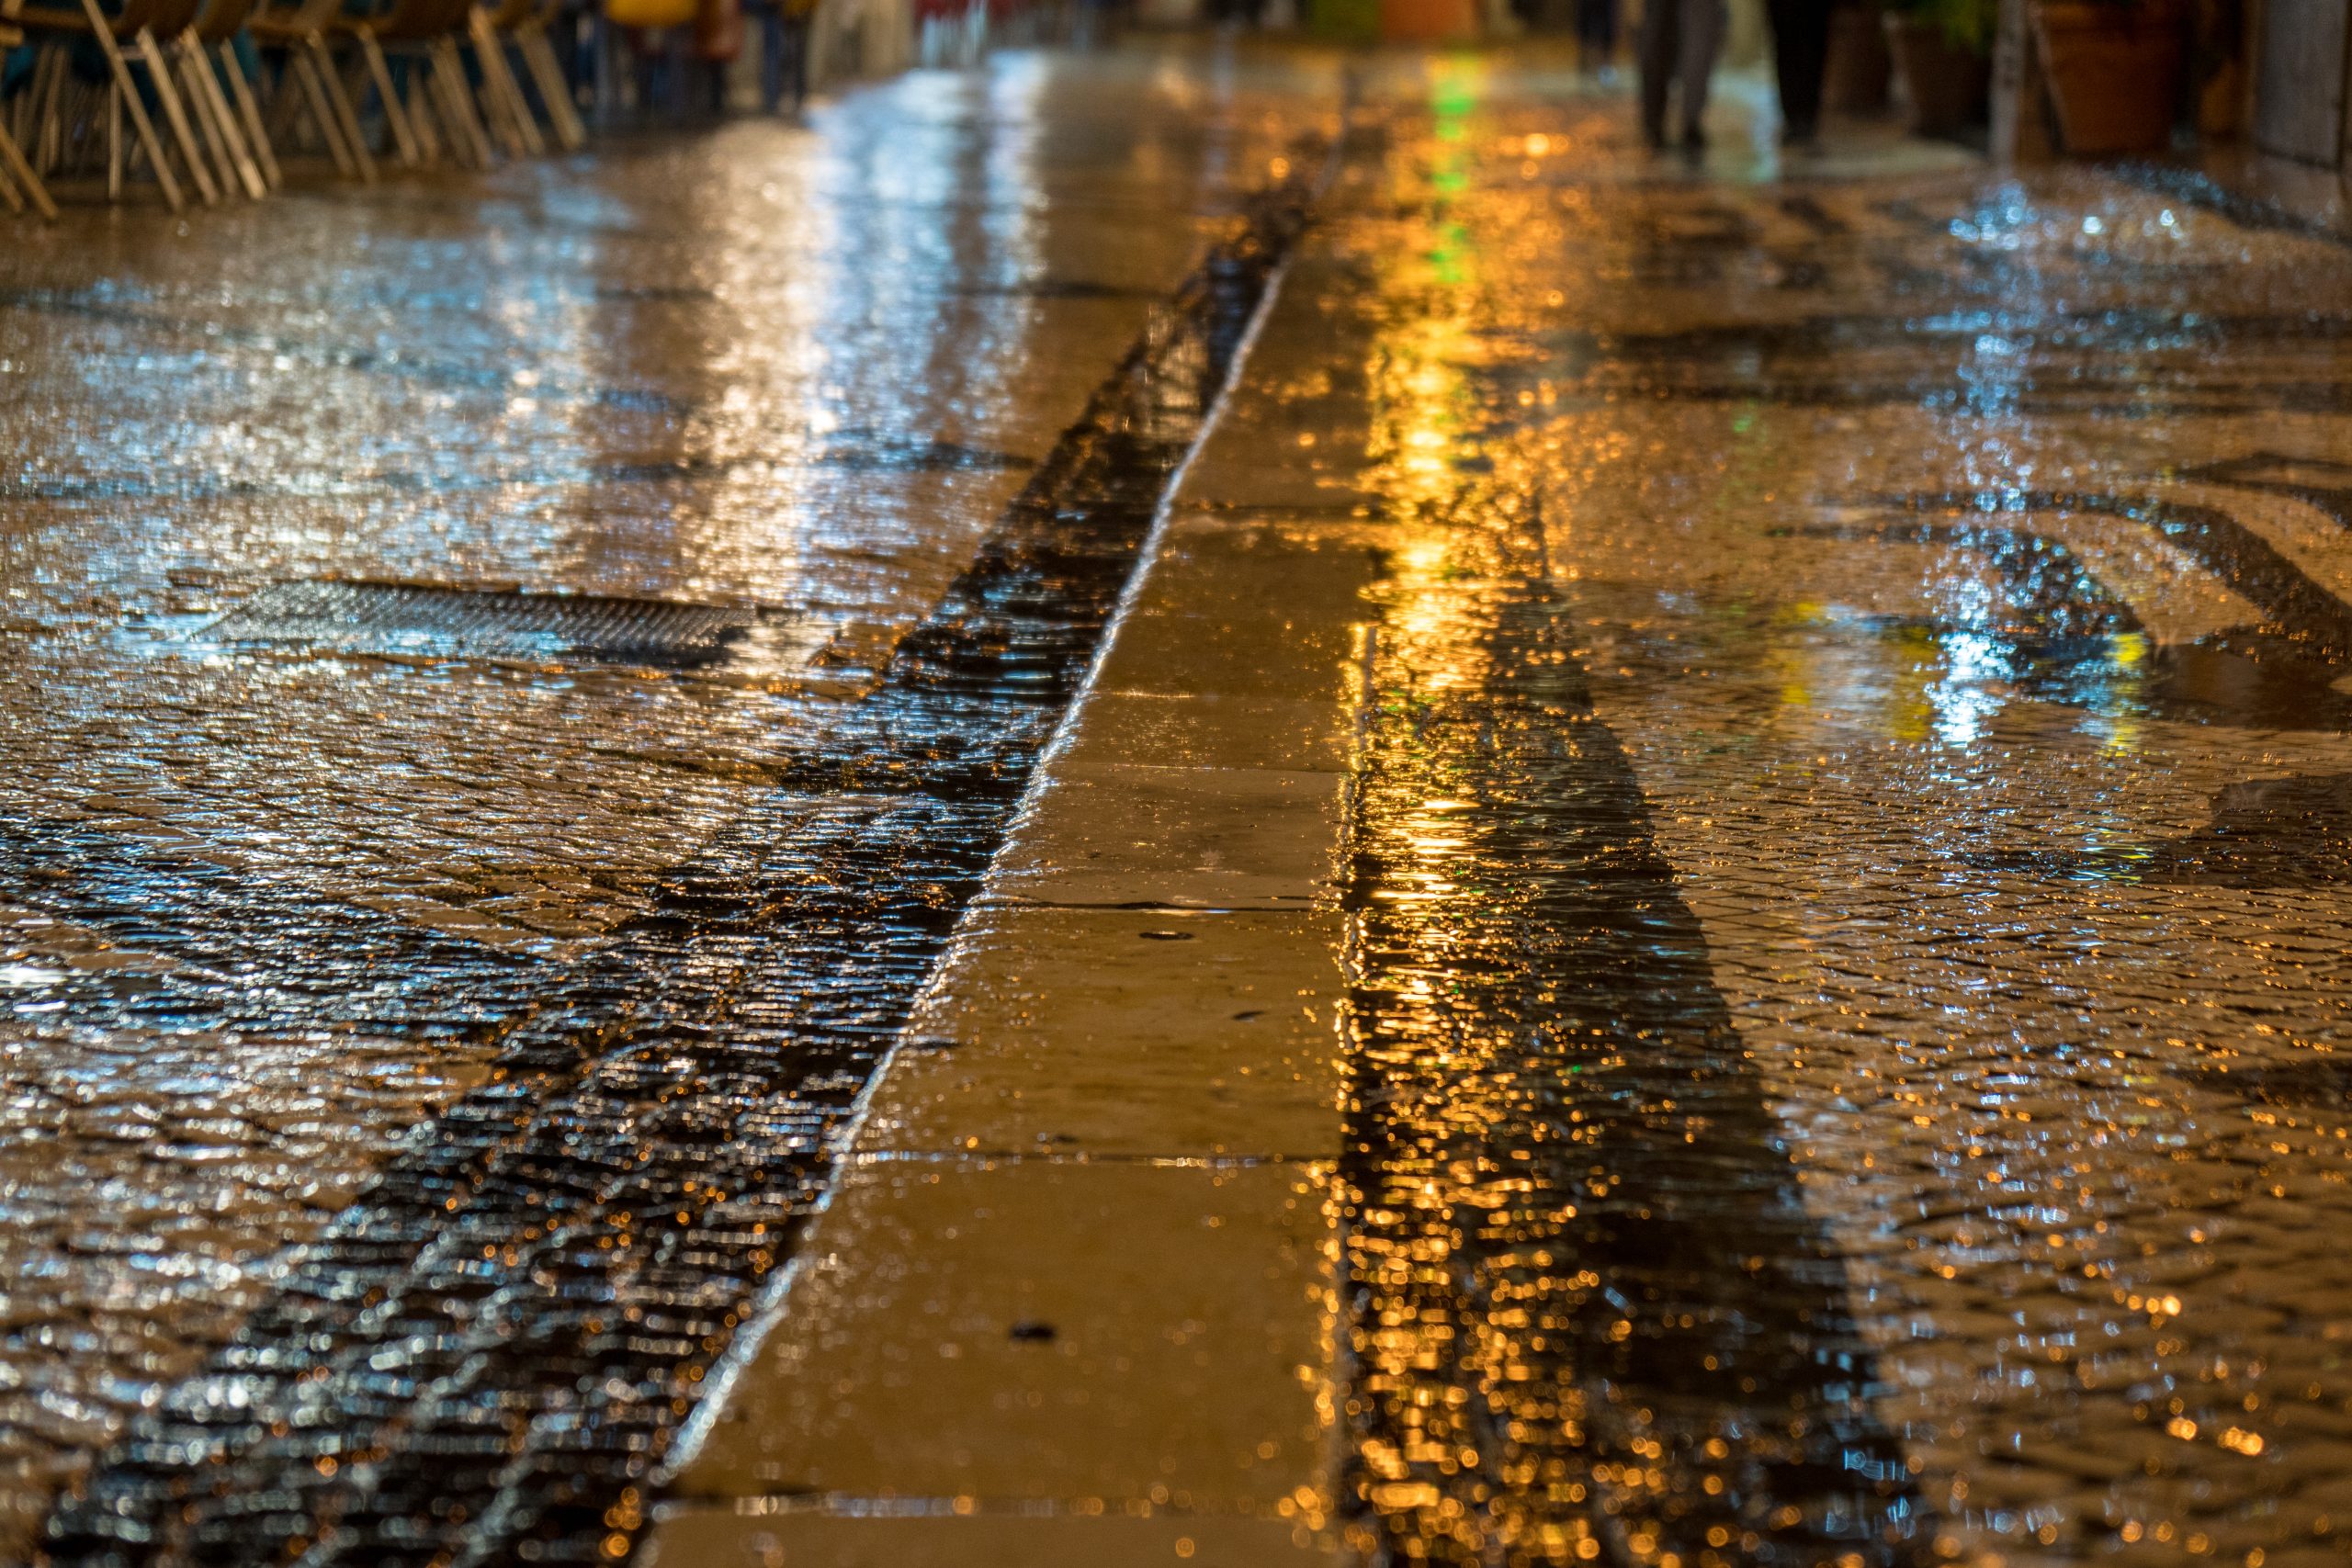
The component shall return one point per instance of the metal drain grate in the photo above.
(458, 622)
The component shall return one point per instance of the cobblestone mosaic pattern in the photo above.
(288, 926)
(1936, 583)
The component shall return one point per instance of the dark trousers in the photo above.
(1678, 43)
(783, 56)
(1597, 26)
(1799, 53)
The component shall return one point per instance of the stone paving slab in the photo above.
(1199, 838)
(1174, 729)
(1249, 602)
(1048, 1331)
(1125, 1033)
(712, 1537)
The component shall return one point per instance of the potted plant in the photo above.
(2114, 68)
(1855, 70)
(1943, 52)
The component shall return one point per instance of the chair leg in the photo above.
(49, 87)
(395, 117)
(347, 119)
(491, 45)
(116, 157)
(538, 58)
(32, 120)
(314, 96)
(487, 109)
(420, 115)
(159, 73)
(491, 115)
(196, 63)
(604, 87)
(200, 116)
(426, 115)
(128, 92)
(212, 123)
(23, 184)
(500, 87)
(447, 107)
(450, 70)
(282, 109)
(249, 113)
(518, 101)
(461, 92)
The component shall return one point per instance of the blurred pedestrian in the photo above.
(1678, 41)
(1596, 37)
(1800, 58)
(784, 52)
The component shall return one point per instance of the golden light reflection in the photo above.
(1440, 1182)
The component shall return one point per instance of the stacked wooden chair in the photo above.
(310, 80)
(210, 65)
(66, 112)
(521, 27)
(440, 113)
(180, 54)
(177, 101)
(412, 53)
(20, 187)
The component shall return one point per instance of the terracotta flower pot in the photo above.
(1948, 84)
(1428, 21)
(2114, 72)
(1854, 76)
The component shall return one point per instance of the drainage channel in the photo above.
(485, 1357)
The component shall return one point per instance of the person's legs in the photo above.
(1816, 64)
(1702, 35)
(1595, 32)
(771, 19)
(1661, 47)
(1800, 52)
(797, 29)
(1784, 17)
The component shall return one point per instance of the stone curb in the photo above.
(1075, 1298)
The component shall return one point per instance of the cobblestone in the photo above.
(1956, 564)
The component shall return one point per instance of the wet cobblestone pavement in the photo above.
(1845, 905)
(560, 957)
(661, 1122)
(1846, 1049)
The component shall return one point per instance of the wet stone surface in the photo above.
(1847, 933)
(1655, 1349)
(1851, 984)
(488, 1351)
(423, 1050)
